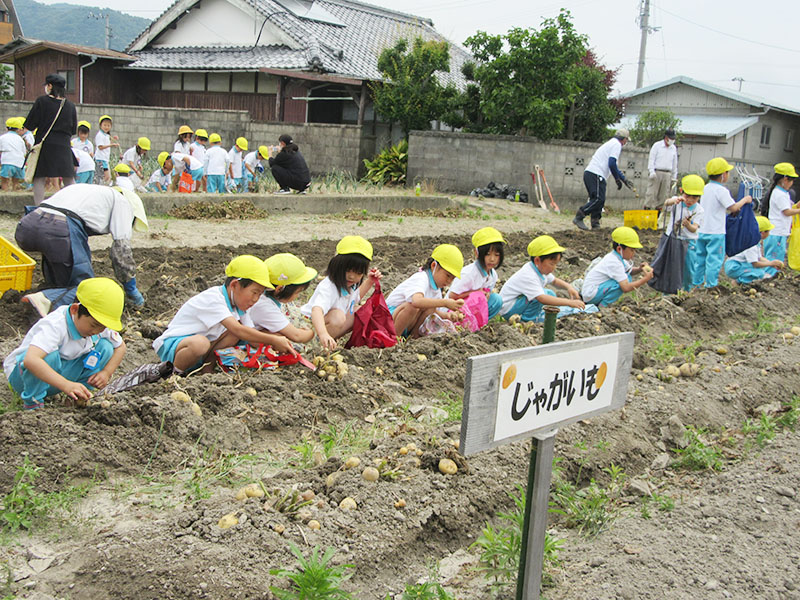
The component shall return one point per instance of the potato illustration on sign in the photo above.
(601, 375)
(509, 376)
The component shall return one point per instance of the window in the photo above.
(219, 82)
(789, 145)
(70, 77)
(170, 81)
(766, 130)
(194, 82)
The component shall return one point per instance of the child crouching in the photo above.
(750, 265)
(611, 277)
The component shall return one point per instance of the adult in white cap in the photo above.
(60, 229)
(602, 165)
(662, 168)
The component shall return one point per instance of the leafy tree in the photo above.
(592, 110)
(527, 78)
(6, 83)
(650, 126)
(412, 95)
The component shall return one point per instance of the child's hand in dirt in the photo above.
(99, 380)
(576, 303)
(573, 294)
(76, 391)
(375, 275)
(327, 342)
(778, 264)
(284, 346)
(453, 304)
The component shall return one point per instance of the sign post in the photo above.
(531, 392)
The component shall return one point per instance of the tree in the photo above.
(651, 125)
(526, 78)
(6, 83)
(412, 95)
(592, 111)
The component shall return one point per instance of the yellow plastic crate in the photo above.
(641, 219)
(16, 268)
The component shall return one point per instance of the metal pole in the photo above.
(644, 16)
(529, 577)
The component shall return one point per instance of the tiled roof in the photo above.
(350, 51)
(24, 46)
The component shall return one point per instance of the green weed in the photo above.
(209, 468)
(314, 579)
(590, 509)
(662, 503)
(764, 323)
(791, 413)
(698, 455)
(764, 429)
(12, 405)
(690, 352)
(664, 349)
(453, 405)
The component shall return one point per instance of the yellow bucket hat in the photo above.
(544, 245)
(247, 266)
(104, 299)
(287, 269)
(354, 244)
(626, 236)
(449, 258)
(487, 235)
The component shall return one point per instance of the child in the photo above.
(290, 277)
(104, 141)
(252, 163)
(215, 165)
(27, 135)
(684, 216)
(13, 150)
(235, 161)
(482, 274)
(161, 178)
(218, 318)
(73, 349)
(84, 172)
(717, 203)
(779, 209)
(198, 150)
(420, 295)
(122, 171)
(334, 301)
(750, 265)
(611, 277)
(133, 156)
(82, 141)
(194, 166)
(526, 294)
(183, 143)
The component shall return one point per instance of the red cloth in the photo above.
(186, 184)
(373, 326)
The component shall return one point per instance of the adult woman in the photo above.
(289, 168)
(56, 121)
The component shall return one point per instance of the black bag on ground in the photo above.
(669, 260)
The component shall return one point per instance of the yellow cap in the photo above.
(626, 236)
(104, 117)
(263, 151)
(543, 245)
(162, 158)
(251, 267)
(449, 258)
(287, 269)
(104, 299)
(140, 217)
(11, 123)
(122, 168)
(693, 185)
(354, 244)
(214, 138)
(717, 166)
(786, 169)
(143, 143)
(487, 235)
(184, 129)
(764, 224)
(242, 143)
(85, 124)
(201, 133)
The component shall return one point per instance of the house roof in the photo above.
(26, 46)
(713, 89)
(346, 41)
(704, 125)
(8, 5)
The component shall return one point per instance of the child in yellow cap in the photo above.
(82, 141)
(420, 295)
(161, 178)
(750, 265)
(684, 215)
(291, 278)
(74, 349)
(219, 318)
(133, 156)
(780, 209)
(215, 165)
(198, 150)
(335, 299)
(236, 162)
(481, 274)
(103, 142)
(13, 151)
(611, 277)
(122, 177)
(526, 294)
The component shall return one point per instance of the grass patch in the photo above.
(700, 454)
(314, 578)
(590, 509)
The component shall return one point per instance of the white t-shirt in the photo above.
(750, 255)
(125, 183)
(85, 161)
(779, 201)
(203, 315)
(52, 333)
(695, 214)
(182, 147)
(267, 314)
(194, 164)
(158, 176)
(715, 202)
(29, 139)
(420, 282)
(131, 158)
(216, 161)
(327, 297)
(103, 209)
(526, 282)
(473, 278)
(86, 146)
(198, 151)
(13, 148)
(102, 139)
(252, 159)
(235, 158)
(599, 162)
(611, 266)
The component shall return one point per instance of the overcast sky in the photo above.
(711, 41)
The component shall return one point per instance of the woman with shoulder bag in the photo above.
(56, 121)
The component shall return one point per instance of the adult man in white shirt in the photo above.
(663, 169)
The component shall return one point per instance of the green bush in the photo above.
(389, 166)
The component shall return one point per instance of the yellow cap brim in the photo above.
(106, 320)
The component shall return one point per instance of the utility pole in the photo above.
(104, 16)
(644, 17)
(740, 80)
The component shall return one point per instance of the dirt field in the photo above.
(159, 477)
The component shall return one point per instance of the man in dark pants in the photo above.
(603, 164)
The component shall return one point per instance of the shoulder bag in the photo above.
(32, 158)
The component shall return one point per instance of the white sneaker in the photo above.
(38, 302)
(284, 191)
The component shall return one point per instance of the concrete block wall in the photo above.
(460, 162)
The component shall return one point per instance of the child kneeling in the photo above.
(74, 348)
(750, 265)
(611, 277)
